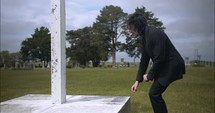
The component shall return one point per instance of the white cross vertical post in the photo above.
(58, 57)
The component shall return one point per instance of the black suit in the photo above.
(168, 65)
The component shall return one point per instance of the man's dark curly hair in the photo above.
(137, 22)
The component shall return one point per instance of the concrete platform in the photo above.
(37, 103)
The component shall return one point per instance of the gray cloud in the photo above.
(19, 19)
(189, 24)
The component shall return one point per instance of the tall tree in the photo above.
(102, 42)
(86, 46)
(112, 24)
(133, 45)
(79, 41)
(38, 46)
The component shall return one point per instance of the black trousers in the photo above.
(157, 101)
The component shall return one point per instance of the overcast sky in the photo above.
(189, 23)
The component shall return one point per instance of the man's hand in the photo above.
(145, 77)
(134, 86)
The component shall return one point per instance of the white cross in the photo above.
(58, 57)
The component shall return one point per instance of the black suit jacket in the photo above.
(168, 65)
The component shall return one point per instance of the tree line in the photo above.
(96, 43)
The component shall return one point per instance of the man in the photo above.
(168, 65)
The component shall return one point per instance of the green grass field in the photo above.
(193, 94)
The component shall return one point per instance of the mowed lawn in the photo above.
(193, 94)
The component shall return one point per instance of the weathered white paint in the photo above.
(37, 103)
(58, 57)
